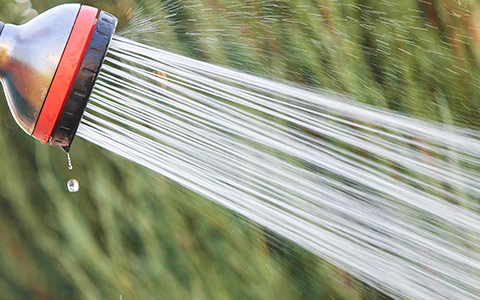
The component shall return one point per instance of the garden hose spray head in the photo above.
(48, 67)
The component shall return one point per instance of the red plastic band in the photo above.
(66, 72)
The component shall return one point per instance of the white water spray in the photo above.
(388, 198)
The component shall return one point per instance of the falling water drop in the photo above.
(73, 186)
(69, 161)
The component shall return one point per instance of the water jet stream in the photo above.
(391, 199)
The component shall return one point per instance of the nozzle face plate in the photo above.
(68, 122)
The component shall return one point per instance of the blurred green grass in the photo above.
(129, 232)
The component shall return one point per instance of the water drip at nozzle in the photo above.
(69, 161)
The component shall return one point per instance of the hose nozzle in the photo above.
(48, 67)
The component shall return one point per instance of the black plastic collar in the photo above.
(67, 125)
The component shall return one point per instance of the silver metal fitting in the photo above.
(29, 56)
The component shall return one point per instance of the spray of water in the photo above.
(391, 199)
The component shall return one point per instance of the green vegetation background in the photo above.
(131, 234)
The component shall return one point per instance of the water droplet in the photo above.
(69, 161)
(73, 186)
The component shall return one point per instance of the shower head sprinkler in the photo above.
(48, 67)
